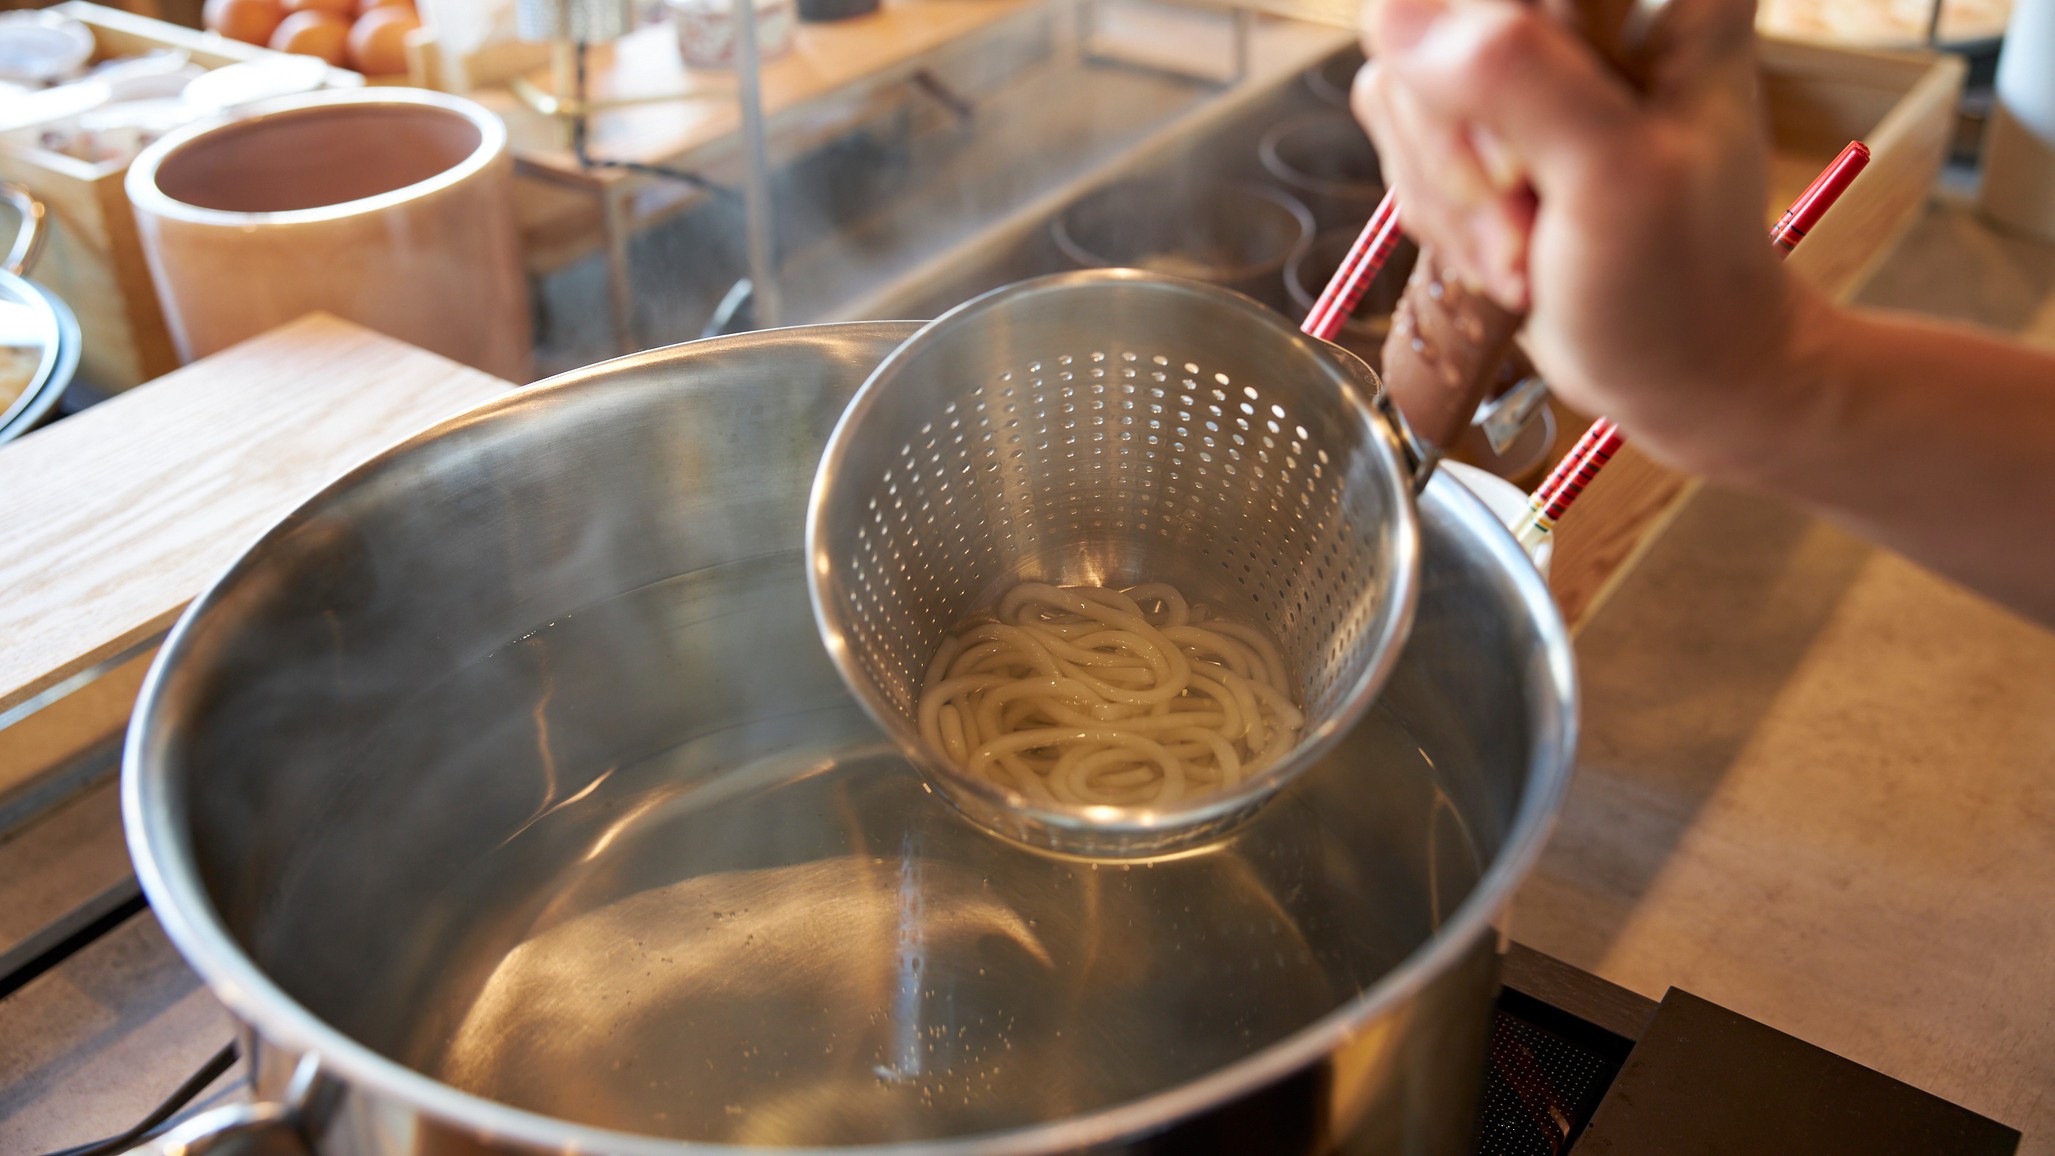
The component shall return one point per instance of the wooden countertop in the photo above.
(92, 566)
(96, 566)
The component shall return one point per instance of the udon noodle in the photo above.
(1081, 694)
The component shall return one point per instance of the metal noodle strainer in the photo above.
(1112, 427)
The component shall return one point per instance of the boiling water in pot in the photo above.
(770, 932)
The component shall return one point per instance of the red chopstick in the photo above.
(1345, 289)
(1812, 204)
(1574, 473)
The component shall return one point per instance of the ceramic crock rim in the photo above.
(150, 200)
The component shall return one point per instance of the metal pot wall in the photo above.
(1311, 268)
(1332, 79)
(505, 792)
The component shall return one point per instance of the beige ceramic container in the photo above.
(392, 207)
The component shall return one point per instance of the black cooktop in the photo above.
(1582, 1067)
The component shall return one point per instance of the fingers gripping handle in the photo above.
(1446, 339)
(1445, 343)
(1616, 29)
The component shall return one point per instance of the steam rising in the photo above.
(903, 202)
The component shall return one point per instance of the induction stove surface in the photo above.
(1581, 1067)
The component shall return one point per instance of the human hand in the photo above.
(1630, 223)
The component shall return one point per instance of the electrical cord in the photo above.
(196, 1083)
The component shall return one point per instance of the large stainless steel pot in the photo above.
(505, 793)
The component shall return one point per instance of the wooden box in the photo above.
(1901, 104)
(1818, 98)
(93, 259)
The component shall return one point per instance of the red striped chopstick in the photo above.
(1812, 204)
(1564, 483)
(1345, 289)
(1574, 473)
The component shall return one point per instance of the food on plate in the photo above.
(18, 366)
(250, 21)
(347, 9)
(378, 43)
(1087, 695)
(311, 32)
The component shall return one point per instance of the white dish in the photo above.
(52, 106)
(234, 85)
(42, 47)
(149, 76)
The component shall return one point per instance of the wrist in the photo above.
(1783, 405)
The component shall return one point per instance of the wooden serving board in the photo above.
(115, 518)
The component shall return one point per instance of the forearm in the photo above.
(1934, 440)
(1628, 222)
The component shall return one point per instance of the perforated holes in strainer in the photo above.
(1177, 439)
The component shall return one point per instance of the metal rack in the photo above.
(986, 67)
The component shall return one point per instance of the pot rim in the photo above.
(1081, 254)
(168, 877)
(1270, 150)
(149, 199)
(1321, 84)
(1373, 326)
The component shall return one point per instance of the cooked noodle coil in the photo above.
(1127, 698)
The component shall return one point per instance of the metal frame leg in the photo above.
(613, 228)
(954, 103)
(1244, 25)
(759, 231)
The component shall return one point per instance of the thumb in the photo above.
(1536, 90)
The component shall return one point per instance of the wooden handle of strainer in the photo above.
(1446, 339)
